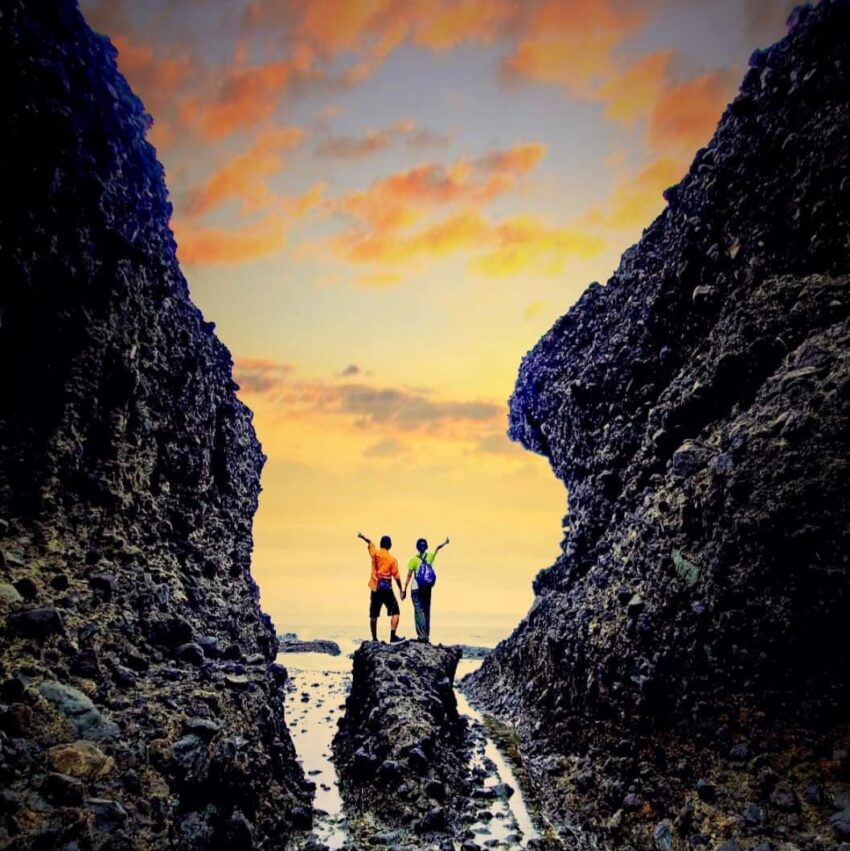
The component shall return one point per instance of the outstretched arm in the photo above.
(363, 537)
(440, 546)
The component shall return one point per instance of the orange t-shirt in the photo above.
(384, 566)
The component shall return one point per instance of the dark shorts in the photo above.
(383, 598)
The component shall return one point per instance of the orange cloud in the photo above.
(384, 214)
(523, 242)
(574, 44)
(246, 96)
(332, 27)
(571, 43)
(245, 176)
(636, 198)
(632, 94)
(147, 73)
(156, 79)
(199, 245)
(300, 205)
(372, 29)
(686, 114)
(401, 199)
(359, 147)
(508, 246)
(441, 26)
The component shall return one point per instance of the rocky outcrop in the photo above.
(319, 645)
(472, 651)
(683, 677)
(141, 706)
(401, 751)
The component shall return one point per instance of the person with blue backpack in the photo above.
(420, 573)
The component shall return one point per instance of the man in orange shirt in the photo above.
(384, 570)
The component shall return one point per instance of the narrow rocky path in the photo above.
(496, 815)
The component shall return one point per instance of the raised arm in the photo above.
(363, 538)
(440, 546)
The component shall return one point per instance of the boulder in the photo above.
(80, 759)
(40, 623)
(79, 710)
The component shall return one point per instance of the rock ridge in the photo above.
(685, 666)
(401, 751)
(140, 705)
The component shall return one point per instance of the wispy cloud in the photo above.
(571, 43)
(636, 197)
(389, 447)
(496, 248)
(686, 112)
(243, 97)
(260, 375)
(246, 176)
(424, 138)
(365, 406)
(383, 219)
(199, 245)
(366, 145)
(399, 198)
(208, 245)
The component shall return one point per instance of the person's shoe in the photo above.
(397, 639)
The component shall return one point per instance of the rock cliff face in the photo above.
(402, 752)
(140, 703)
(688, 657)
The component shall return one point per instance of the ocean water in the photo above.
(315, 702)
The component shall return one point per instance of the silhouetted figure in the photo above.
(420, 572)
(384, 570)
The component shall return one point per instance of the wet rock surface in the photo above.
(139, 702)
(319, 645)
(402, 750)
(683, 677)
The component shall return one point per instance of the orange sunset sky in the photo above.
(383, 204)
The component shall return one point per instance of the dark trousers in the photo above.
(422, 612)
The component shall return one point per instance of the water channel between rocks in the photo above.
(319, 684)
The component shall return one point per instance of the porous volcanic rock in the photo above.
(139, 702)
(401, 751)
(689, 653)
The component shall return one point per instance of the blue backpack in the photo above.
(425, 576)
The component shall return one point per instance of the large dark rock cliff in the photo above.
(685, 668)
(139, 702)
